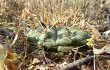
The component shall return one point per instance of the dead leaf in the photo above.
(11, 54)
(105, 49)
(10, 65)
(2, 53)
(98, 51)
(96, 33)
(36, 61)
(2, 66)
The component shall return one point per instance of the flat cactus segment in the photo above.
(64, 49)
(62, 32)
(52, 34)
(64, 41)
(49, 44)
(34, 36)
(73, 31)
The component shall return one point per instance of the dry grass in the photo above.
(75, 13)
(66, 12)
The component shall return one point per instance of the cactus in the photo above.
(49, 43)
(64, 49)
(64, 41)
(59, 37)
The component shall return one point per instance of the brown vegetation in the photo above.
(19, 17)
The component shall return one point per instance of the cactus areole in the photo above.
(58, 37)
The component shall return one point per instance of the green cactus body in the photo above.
(72, 31)
(63, 38)
(52, 34)
(64, 49)
(64, 41)
(34, 36)
(49, 44)
(80, 38)
(62, 32)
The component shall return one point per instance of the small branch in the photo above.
(77, 64)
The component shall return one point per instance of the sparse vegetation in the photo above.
(50, 34)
